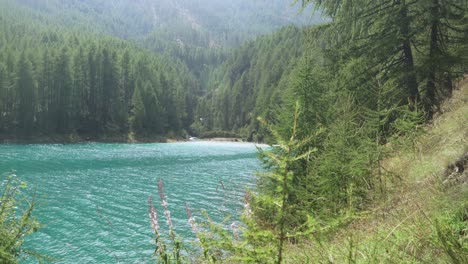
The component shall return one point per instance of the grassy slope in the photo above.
(423, 217)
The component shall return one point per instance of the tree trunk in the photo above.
(448, 84)
(408, 61)
(430, 101)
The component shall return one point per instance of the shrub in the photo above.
(16, 219)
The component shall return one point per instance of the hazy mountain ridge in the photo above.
(225, 22)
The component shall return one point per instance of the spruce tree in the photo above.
(25, 85)
(62, 92)
(138, 116)
(45, 92)
(3, 98)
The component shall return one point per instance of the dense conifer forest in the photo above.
(80, 84)
(65, 69)
(336, 99)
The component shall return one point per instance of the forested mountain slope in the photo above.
(211, 21)
(58, 55)
(383, 57)
(251, 83)
(58, 81)
(197, 33)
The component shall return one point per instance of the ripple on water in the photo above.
(95, 195)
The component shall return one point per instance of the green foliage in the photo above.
(452, 235)
(356, 89)
(337, 96)
(280, 203)
(266, 221)
(410, 43)
(16, 219)
(54, 80)
(25, 87)
(250, 84)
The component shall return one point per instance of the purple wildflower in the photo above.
(165, 205)
(191, 219)
(153, 215)
(161, 190)
(154, 224)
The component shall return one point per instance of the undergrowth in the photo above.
(422, 217)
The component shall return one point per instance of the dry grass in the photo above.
(407, 224)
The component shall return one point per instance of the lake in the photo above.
(94, 196)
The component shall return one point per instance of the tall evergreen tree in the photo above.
(155, 118)
(80, 92)
(45, 92)
(25, 85)
(62, 92)
(446, 25)
(127, 83)
(3, 97)
(110, 91)
(138, 109)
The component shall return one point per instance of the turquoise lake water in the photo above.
(94, 196)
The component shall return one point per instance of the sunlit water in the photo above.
(94, 207)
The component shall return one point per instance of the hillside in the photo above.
(192, 67)
(423, 216)
(213, 22)
(241, 88)
(197, 75)
(200, 34)
(70, 85)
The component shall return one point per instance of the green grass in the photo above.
(420, 219)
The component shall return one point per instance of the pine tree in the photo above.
(110, 92)
(381, 32)
(94, 95)
(45, 92)
(138, 109)
(169, 104)
(155, 118)
(62, 92)
(445, 25)
(80, 92)
(127, 83)
(25, 85)
(3, 98)
(10, 94)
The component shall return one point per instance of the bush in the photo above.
(16, 220)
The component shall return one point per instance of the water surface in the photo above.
(94, 205)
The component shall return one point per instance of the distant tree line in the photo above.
(57, 82)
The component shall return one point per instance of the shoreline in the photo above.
(74, 139)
